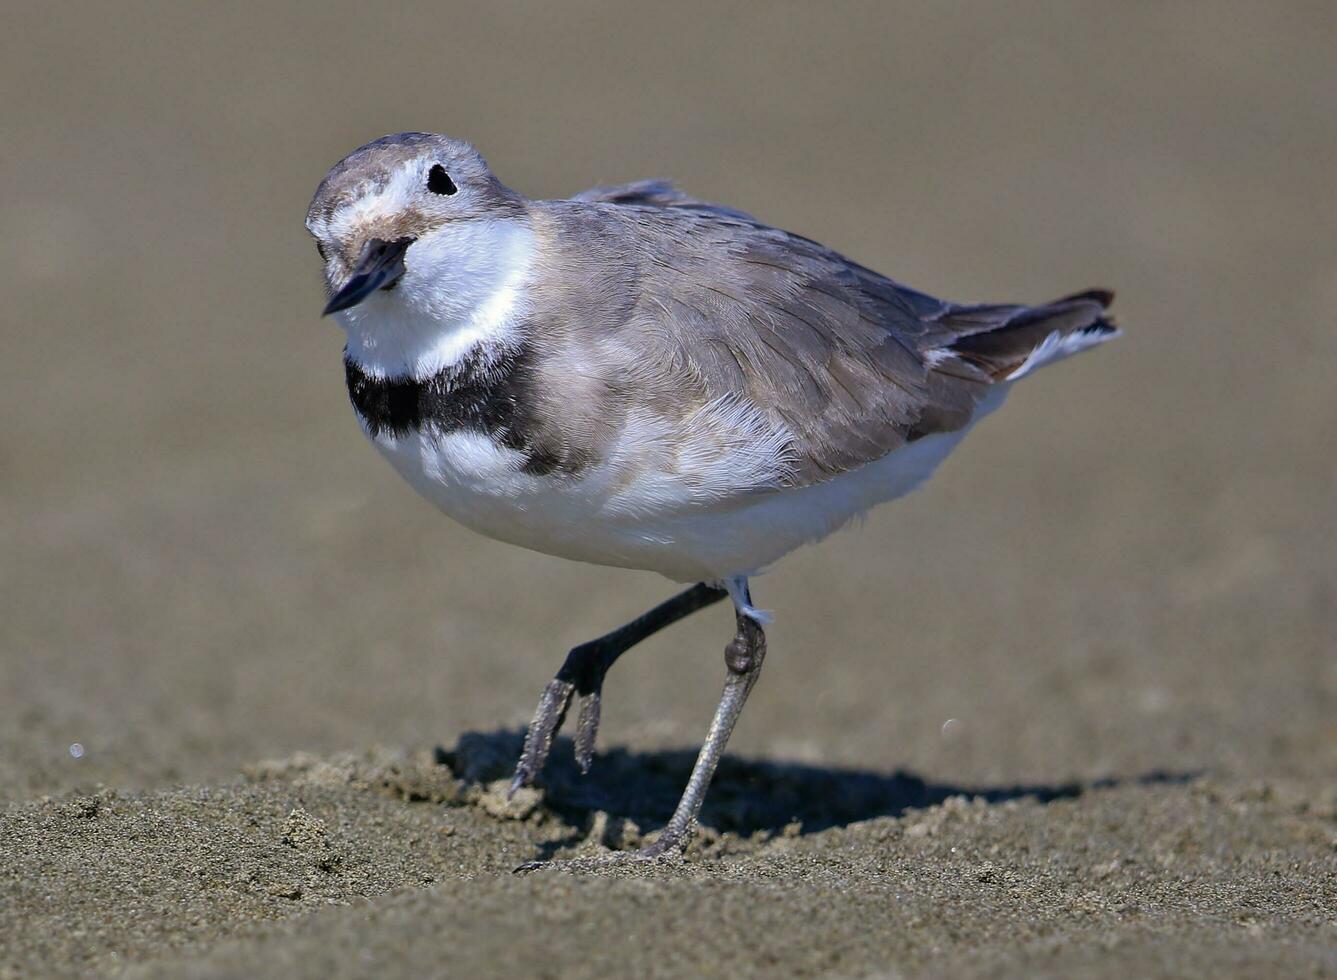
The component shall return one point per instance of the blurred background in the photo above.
(1130, 568)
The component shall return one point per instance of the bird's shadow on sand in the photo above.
(746, 796)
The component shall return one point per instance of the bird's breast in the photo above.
(485, 394)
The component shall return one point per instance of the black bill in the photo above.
(378, 267)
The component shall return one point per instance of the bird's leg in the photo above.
(742, 661)
(583, 673)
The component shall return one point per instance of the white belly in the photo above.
(621, 515)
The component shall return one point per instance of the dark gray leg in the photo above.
(742, 660)
(583, 674)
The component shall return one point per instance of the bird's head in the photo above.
(414, 219)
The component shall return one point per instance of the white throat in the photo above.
(464, 285)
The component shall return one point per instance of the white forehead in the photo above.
(372, 201)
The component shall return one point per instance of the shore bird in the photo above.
(638, 378)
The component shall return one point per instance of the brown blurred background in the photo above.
(1130, 568)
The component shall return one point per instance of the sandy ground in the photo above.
(1071, 710)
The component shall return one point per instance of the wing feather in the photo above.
(850, 363)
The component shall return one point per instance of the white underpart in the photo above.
(463, 284)
(632, 512)
(1055, 347)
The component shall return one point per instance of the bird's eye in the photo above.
(439, 182)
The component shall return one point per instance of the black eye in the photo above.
(439, 182)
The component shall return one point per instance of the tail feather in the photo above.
(1007, 342)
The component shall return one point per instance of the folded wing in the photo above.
(851, 364)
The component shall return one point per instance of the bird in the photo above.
(637, 378)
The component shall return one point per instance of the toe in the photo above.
(542, 730)
(587, 730)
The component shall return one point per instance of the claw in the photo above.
(538, 739)
(587, 728)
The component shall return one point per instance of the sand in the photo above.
(396, 865)
(1071, 710)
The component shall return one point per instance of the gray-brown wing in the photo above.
(852, 364)
(837, 354)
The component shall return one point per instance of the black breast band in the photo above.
(489, 395)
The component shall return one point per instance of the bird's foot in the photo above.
(548, 718)
(583, 674)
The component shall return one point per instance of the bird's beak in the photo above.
(378, 267)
